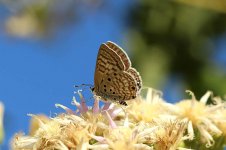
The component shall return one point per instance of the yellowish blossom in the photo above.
(146, 124)
(220, 115)
(146, 110)
(35, 123)
(201, 117)
(170, 133)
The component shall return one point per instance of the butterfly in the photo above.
(114, 79)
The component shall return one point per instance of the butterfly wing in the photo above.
(114, 78)
(126, 62)
(136, 76)
(108, 61)
(121, 53)
(118, 86)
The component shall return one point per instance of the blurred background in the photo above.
(48, 46)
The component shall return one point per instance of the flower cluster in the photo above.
(145, 124)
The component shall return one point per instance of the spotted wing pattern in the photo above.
(115, 79)
(118, 86)
(136, 76)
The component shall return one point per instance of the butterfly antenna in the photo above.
(83, 86)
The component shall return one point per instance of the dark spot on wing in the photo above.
(104, 85)
(109, 79)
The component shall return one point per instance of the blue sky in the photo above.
(37, 73)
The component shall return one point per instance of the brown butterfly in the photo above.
(115, 80)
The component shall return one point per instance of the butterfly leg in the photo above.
(123, 103)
